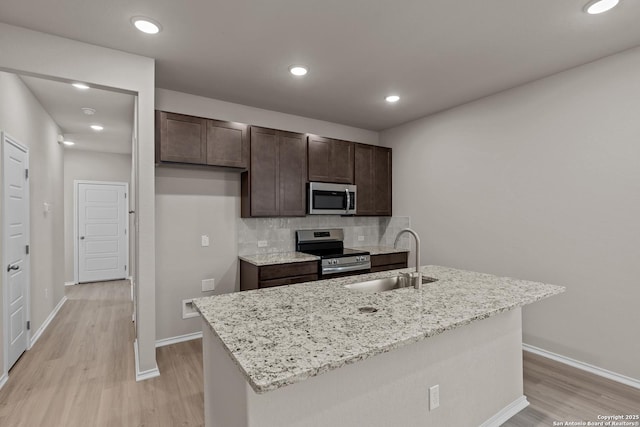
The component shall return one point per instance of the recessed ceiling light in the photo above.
(599, 6)
(97, 128)
(88, 111)
(146, 25)
(298, 70)
(392, 98)
(68, 142)
(80, 86)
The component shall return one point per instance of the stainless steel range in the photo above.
(335, 259)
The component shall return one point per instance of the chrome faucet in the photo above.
(417, 281)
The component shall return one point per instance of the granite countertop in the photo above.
(283, 335)
(278, 258)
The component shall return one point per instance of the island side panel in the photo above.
(478, 368)
(225, 388)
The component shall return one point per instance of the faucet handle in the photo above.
(417, 280)
(405, 280)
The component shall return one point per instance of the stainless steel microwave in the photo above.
(331, 199)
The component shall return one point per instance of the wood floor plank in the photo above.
(81, 373)
(558, 392)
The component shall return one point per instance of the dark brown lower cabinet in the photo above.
(266, 276)
(386, 262)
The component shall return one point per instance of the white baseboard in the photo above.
(507, 412)
(583, 366)
(3, 380)
(178, 339)
(143, 375)
(36, 336)
(70, 283)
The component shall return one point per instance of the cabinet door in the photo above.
(330, 160)
(227, 144)
(319, 153)
(363, 172)
(292, 168)
(263, 189)
(182, 138)
(382, 181)
(341, 166)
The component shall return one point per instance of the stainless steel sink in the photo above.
(386, 284)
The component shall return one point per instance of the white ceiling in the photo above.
(434, 53)
(64, 104)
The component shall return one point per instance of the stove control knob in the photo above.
(335, 261)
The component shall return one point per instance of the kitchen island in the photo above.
(306, 355)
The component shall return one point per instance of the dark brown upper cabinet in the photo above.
(330, 160)
(180, 138)
(195, 140)
(227, 144)
(372, 170)
(275, 184)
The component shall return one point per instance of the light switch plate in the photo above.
(208, 285)
(360, 238)
(204, 240)
(263, 243)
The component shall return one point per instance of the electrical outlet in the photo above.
(360, 238)
(208, 285)
(204, 240)
(434, 397)
(188, 310)
(263, 243)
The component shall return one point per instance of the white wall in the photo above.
(540, 182)
(22, 117)
(87, 166)
(69, 60)
(191, 202)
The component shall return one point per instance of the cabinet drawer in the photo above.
(388, 259)
(388, 267)
(278, 271)
(287, 281)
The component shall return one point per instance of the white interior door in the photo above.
(16, 239)
(102, 231)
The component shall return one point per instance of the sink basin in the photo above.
(382, 285)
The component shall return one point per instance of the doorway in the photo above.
(101, 236)
(15, 235)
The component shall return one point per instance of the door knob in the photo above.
(13, 267)
(81, 237)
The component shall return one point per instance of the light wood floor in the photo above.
(81, 373)
(557, 392)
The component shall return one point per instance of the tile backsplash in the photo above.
(279, 233)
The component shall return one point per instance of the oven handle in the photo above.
(340, 269)
(346, 209)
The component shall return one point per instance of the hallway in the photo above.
(81, 371)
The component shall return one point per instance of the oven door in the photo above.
(331, 199)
